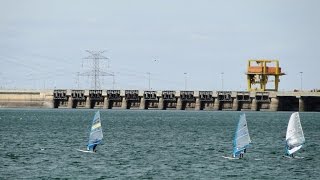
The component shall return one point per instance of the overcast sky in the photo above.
(181, 43)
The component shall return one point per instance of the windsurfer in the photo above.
(94, 148)
(287, 152)
(241, 155)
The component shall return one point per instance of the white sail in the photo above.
(294, 136)
(242, 137)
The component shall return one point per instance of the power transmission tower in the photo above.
(96, 71)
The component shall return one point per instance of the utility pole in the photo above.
(185, 81)
(301, 80)
(222, 80)
(149, 78)
(113, 80)
(96, 71)
(78, 80)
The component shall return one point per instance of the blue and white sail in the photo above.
(96, 135)
(241, 138)
(294, 137)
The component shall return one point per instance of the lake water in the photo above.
(146, 144)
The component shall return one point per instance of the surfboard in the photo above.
(86, 151)
(230, 158)
(295, 157)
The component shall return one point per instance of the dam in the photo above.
(163, 100)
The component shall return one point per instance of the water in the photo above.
(41, 144)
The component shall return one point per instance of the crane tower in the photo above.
(260, 72)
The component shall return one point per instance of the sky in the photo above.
(173, 44)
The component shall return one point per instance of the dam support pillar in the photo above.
(161, 105)
(216, 104)
(106, 103)
(179, 104)
(254, 105)
(88, 103)
(198, 104)
(70, 102)
(49, 104)
(274, 104)
(235, 104)
(142, 103)
(301, 104)
(124, 103)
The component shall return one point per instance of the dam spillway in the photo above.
(162, 100)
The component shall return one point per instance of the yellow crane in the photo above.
(260, 72)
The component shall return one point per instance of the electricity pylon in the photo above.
(96, 71)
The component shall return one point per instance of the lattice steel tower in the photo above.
(96, 71)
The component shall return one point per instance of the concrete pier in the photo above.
(301, 104)
(143, 103)
(216, 104)
(254, 105)
(161, 105)
(124, 104)
(179, 104)
(274, 104)
(70, 103)
(88, 103)
(235, 105)
(198, 104)
(162, 100)
(106, 103)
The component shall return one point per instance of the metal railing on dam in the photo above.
(162, 100)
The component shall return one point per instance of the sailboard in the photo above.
(294, 136)
(95, 134)
(230, 158)
(241, 138)
(84, 150)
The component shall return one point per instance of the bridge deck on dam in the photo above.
(162, 100)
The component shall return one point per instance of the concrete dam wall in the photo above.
(162, 100)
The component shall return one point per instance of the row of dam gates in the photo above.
(163, 100)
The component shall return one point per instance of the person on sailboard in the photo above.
(94, 148)
(241, 154)
(287, 153)
(290, 155)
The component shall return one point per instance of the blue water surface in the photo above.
(147, 144)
